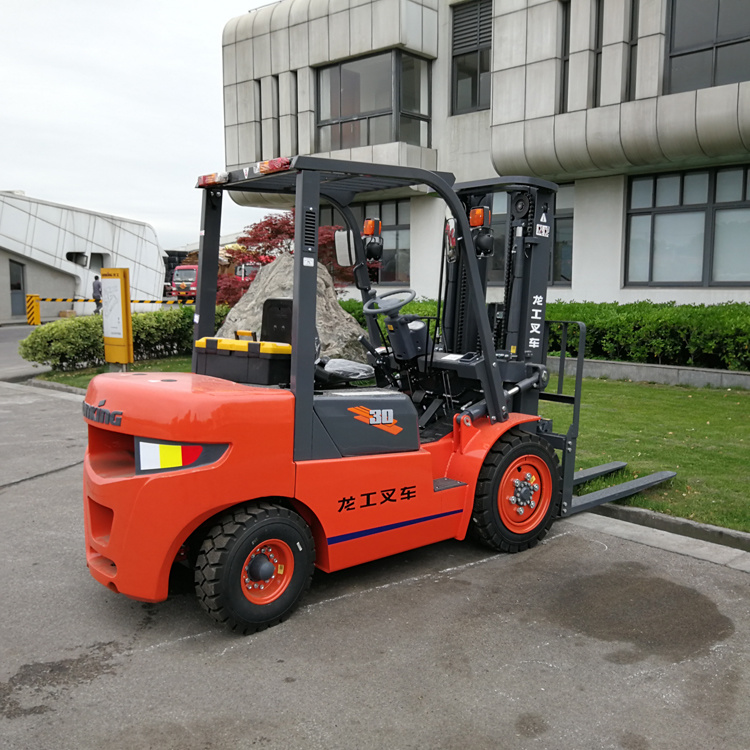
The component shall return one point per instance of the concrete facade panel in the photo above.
(508, 95)
(244, 27)
(245, 69)
(288, 135)
(542, 88)
(716, 114)
(306, 90)
(263, 16)
(570, 143)
(411, 25)
(248, 101)
(299, 49)
(360, 29)
(279, 51)
(539, 146)
(306, 132)
(386, 24)
(298, 12)
(269, 138)
(542, 32)
(430, 32)
(507, 152)
(743, 113)
(230, 105)
(229, 64)
(509, 6)
(280, 15)
(318, 41)
(675, 123)
(652, 17)
(581, 25)
(580, 80)
(616, 21)
(338, 36)
(261, 56)
(602, 138)
(249, 139)
(317, 9)
(509, 41)
(649, 74)
(287, 94)
(229, 34)
(638, 133)
(614, 74)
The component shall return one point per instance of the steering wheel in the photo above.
(378, 306)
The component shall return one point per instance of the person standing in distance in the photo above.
(97, 295)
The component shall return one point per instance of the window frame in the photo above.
(476, 49)
(395, 111)
(710, 208)
(713, 47)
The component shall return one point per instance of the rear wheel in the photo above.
(518, 493)
(254, 566)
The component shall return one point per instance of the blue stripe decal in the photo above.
(389, 527)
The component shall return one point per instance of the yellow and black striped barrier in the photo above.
(34, 316)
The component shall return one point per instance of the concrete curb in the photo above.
(56, 387)
(695, 377)
(682, 526)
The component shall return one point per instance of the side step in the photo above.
(586, 475)
(580, 503)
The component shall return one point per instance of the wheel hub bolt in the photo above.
(512, 500)
(520, 511)
(532, 505)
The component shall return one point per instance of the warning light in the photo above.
(216, 178)
(372, 227)
(479, 217)
(272, 165)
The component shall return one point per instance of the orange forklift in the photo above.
(267, 461)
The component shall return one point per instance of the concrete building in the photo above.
(639, 109)
(55, 251)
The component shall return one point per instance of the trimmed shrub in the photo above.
(74, 343)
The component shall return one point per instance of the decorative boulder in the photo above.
(338, 331)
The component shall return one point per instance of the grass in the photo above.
(81, 378)
(702, 434)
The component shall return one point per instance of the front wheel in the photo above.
(254, 566)
(518, 494)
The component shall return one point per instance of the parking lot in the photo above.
(604, 636)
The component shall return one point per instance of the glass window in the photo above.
(562, 255)
(668, 190)
(695, 188)
(729, 185)
(638, 249)
(393, 267)
(642, 192)
(472, 46)
(678, 246)
(732, 245)
(709, 44)
(701, 239)
(357, 99)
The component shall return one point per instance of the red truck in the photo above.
(185, 282)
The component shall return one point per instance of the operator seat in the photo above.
(276, 325)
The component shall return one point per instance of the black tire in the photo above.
(248, 600)
(496, 520)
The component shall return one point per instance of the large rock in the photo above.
(338, 331)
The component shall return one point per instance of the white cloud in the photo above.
(117, 107)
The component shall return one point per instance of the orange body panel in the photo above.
(359, 509)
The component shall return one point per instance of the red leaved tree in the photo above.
(274, 235)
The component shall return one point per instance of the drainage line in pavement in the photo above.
(38, 476)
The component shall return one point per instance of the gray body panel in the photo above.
(355, 437)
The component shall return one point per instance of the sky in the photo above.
(117, 107)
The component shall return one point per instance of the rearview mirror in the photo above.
(344, 241)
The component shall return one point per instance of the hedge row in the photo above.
(73, 343)
(715, 336)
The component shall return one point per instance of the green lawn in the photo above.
(81, 378)
(702, 434)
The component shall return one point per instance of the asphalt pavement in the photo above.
(13, 367)
(606, 635)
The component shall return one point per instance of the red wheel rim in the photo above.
(274, 559)
(529, 472)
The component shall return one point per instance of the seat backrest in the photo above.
(277, 320)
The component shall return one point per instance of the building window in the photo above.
(393, 267)
(689, 229)
(565, 57)
(598, 43)
(378, 99)
(561, 262)
(632, 52)
(472, 49)
(709, 44)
